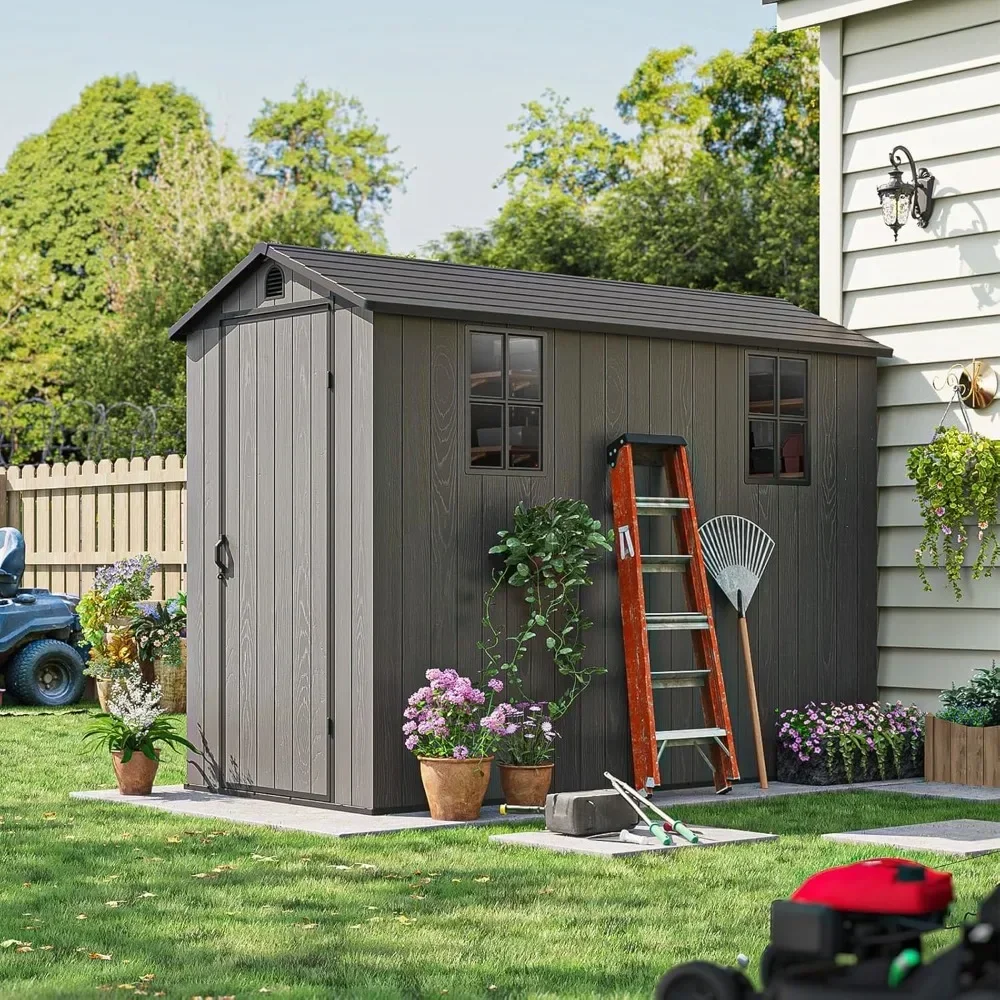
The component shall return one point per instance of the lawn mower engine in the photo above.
(874, 912)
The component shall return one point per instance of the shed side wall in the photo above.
(927, 75)
(812, 621)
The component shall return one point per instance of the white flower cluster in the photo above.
(136, 703)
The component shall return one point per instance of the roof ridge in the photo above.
(480, 268)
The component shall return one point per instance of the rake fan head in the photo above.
(736, 552)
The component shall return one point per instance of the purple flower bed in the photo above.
(831, 744)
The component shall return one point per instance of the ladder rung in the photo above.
(689, 737)
(665, 564)
(679, 678)
(661, 505)
(676, 620)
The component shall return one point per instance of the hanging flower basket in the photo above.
(957, 479)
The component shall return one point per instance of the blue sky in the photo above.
(443, 78)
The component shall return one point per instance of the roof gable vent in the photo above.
(274, 283)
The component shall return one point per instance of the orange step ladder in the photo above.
(649, 742)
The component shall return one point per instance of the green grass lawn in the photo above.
(112, 898)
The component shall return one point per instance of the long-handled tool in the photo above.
(661, 831)
(736, 552)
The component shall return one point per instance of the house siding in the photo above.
(812, 622)
(926, 75)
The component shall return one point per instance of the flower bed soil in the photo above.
(820, 771)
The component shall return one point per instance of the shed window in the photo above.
(274, 283)
(505, 401)
(777, 416)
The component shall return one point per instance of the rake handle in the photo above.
(758, 743)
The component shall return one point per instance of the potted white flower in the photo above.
(132, 730)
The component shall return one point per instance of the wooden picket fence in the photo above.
(79, 516)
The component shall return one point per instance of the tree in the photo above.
(56, 194)
(321, 145)
(717, 189)
(178, 233)
(563, 151)
(28, 347)
(57, 188)
(537, 230)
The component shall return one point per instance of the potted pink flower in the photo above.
(453, 729)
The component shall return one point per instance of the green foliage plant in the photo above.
(957, 479)
(547, 555)
(116, 592)
(976, 703)
(156, 632)
(134, 722)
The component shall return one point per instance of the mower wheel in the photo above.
(703, 981)
(46, 672)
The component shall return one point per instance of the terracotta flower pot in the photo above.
(455, 789)
(525, 784)
(135, 777)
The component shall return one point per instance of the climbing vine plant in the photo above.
(957, 478)
(547, 555)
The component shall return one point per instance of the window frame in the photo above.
(506, 401)
(776, 479)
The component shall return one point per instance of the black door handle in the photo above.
(219, 561)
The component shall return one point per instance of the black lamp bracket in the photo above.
(923, 186)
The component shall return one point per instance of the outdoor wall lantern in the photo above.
(901, 199)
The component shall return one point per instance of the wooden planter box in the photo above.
(962, 755)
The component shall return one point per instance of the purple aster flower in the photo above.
(460, 752)
(495, 684)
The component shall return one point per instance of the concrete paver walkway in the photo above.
(339, 823)
(968, 837)
(285, 815)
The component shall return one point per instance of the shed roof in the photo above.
(413, 287)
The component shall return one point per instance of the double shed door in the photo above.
(274, 542)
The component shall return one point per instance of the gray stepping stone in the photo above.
(609, 846)
(969, 837)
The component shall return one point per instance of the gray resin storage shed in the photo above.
(360, 427)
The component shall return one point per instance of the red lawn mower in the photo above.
(876, 912)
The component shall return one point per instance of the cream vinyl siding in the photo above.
(925, 74)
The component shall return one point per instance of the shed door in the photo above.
(275, 490)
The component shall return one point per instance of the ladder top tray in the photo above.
(647, 449)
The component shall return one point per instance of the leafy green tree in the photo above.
(321, 145)
(564, 151)
(177, 234)
(28, 347)
(56, 194)
(57, 189)
(717, 189)
(538, 229)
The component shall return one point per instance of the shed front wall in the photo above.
(812, 622)
(279, 441)
(925, 74)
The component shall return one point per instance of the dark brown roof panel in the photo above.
(433, 288)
